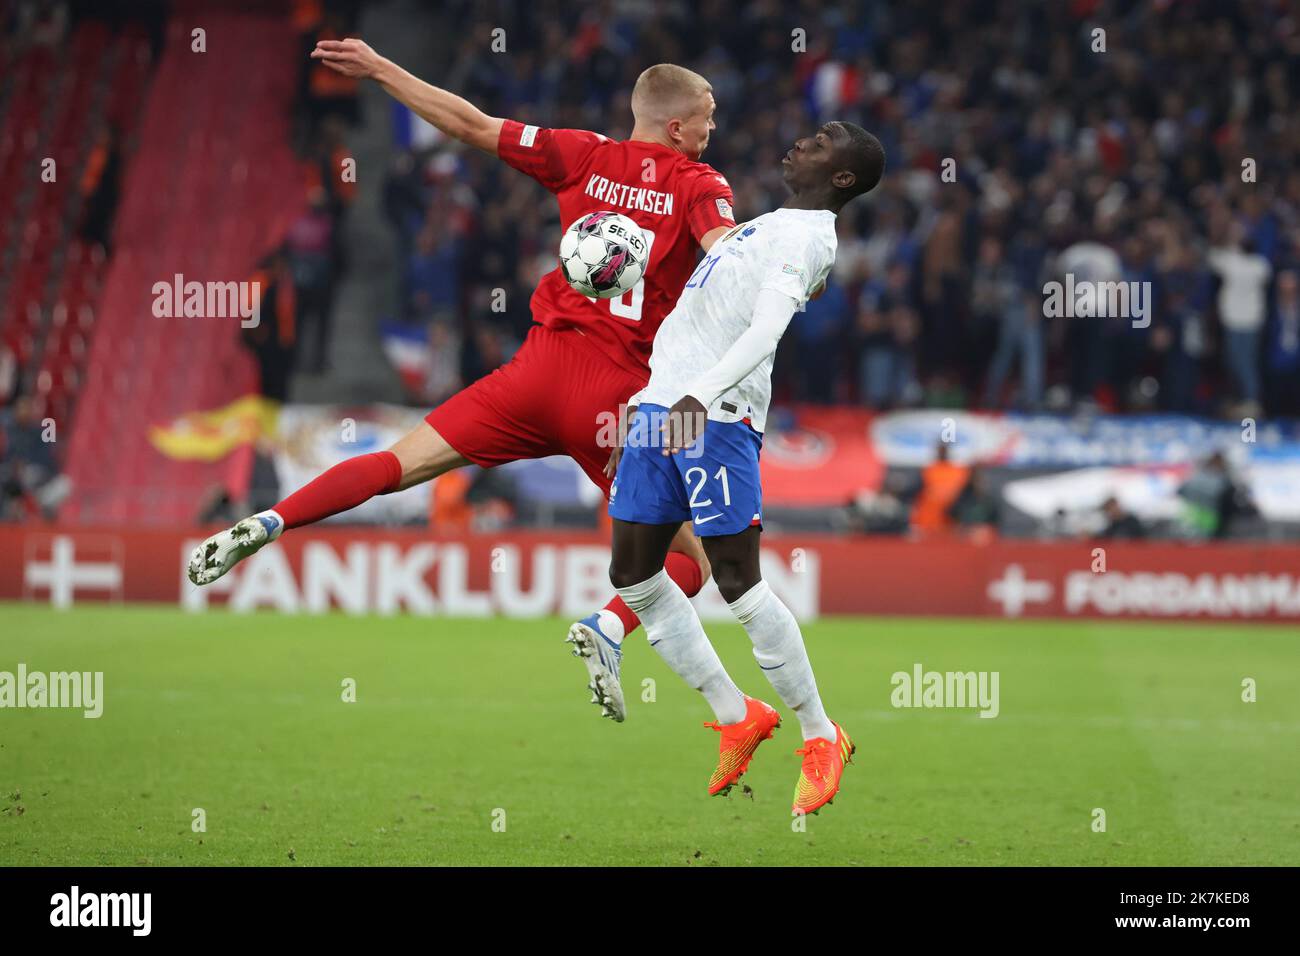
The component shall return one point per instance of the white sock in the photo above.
(779, 650)
(611, 625)
(674, 630)
(279, 523)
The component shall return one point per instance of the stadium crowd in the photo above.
(1021, 144)
(298, 278)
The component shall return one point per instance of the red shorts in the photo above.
(555, 397)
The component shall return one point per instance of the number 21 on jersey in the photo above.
(705, 268)
(702, 272)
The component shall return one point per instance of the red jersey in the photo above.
(675, 201)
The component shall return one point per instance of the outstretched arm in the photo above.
(772, 313)
(454, 115)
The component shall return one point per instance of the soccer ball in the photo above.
(603, 254)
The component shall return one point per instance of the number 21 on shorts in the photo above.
(720, 475)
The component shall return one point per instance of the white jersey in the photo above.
(788, 250)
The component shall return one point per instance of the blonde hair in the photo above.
(667, 91)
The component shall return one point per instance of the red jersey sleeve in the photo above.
(553, 157)
(710, 206)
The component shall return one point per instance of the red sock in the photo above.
(342, 487)
(685, 572)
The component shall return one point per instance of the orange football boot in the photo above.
(739, 741)
(823, 765)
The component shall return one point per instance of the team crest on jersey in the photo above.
(739, 230)
(724, 209)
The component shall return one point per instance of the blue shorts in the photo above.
(714, 484)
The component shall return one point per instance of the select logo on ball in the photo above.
(603, 254)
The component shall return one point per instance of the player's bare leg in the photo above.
(420, 455)
(780, 652)
(598, 638)
(424, 455)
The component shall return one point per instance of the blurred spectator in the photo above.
(8, 374)
(220, 507)
(942, 482)
(273, 340)
(309, 250)
(30, 482)
(44, 22)
(217, 507)
(1244, 275)
(977, 509)
(432, 275)
(449, 511)
(99, 187)
(1179, 331)
(817, 343)
(1213, 497)
(886, 333)
(1086, 335)
(998, 297)
(405, 200)
(1283, 361)
(1118, 523)
(444, 378)
(264, 483)
(329, 92)
(488, 350)
(489, 260)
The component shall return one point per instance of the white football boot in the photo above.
(602, 657)
(224, 550)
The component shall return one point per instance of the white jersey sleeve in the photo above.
(772, 312)
(798, 268)
(787, 253)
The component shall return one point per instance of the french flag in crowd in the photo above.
(411, 132)
(407, 348)
(833, 87)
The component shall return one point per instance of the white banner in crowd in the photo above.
(313, 438)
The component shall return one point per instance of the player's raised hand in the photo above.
(684, 425)
(349, 57)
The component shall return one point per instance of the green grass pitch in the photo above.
(460, 724)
